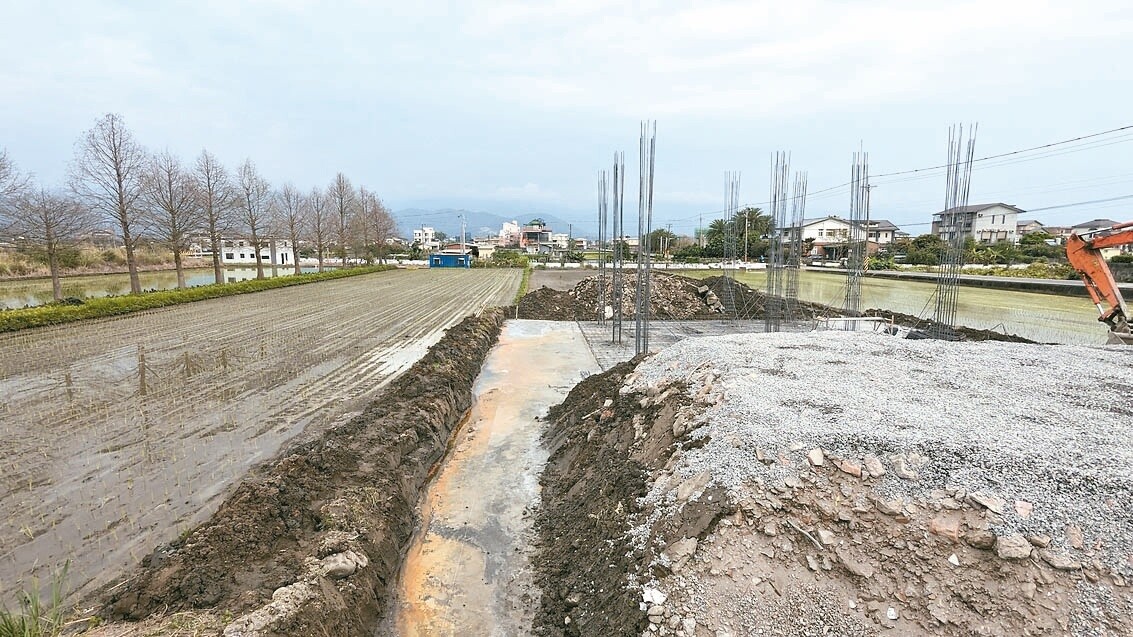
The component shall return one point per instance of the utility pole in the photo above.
(700, 231)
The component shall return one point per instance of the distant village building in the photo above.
(272, 252)
(830, 235)
(535, 237)
(509, 234)
(985, 223)
(1028, 226)
(426, 238)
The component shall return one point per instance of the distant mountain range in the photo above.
(478, 223)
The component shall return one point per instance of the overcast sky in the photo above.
(512, 108)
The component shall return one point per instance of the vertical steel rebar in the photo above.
(857, 243)
(953, 223)
(774, 308)
(646, 152)
(618, 244)
(603, 199)
(795, 242)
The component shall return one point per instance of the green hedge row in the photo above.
(55, 314)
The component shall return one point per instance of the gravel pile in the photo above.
(1045, 425)
(850, 482)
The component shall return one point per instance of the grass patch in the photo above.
(523, 285)
(34, 619)
(56, 314)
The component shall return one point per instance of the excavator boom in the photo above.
(1084, 254)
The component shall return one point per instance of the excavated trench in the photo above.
(467, 569)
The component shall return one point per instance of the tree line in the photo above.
(116, 183)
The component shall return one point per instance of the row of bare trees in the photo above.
(115, 183)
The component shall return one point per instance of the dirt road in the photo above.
(120, 434)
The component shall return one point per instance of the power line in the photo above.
(1013, 153)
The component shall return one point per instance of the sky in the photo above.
(514, 107)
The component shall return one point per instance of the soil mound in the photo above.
(588, 489)
(309, 543)
(548, 304)
(672, 297)
(963, 333)
(772, 509)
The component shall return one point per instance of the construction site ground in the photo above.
(734, 482)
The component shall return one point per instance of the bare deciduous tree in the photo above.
(341, 196)
(174, 213)
(216, 198)
(12, 184)
(54, 222)
(255, 199)
(289, 203)
(318, 213)
(108, 174)
(371, 226)
(383, 224)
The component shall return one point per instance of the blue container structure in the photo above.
(450, 260)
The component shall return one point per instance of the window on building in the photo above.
(229, 256)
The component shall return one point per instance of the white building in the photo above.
(509, 233)
(986, 223)
(560, 240)
(426, 238)
(272, 252)
(832, 231)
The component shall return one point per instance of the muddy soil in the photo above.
(309, 543)
(589, 488)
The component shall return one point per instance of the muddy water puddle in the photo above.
(467, 570)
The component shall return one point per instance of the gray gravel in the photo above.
(1049, 425)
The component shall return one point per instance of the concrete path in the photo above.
(467, 571)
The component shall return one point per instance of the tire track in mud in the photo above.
(99, 474)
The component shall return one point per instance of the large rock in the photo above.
(1013, 547)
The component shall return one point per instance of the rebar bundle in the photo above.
(953, 222)
(795, 245)
(617, 261)
(776, 307)
(603, 201)
(857, 244)
(646, 152)
(731, 210)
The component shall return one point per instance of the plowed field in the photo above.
(120, 434)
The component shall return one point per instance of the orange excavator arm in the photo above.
(1084, 254)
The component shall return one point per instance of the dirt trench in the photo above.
(310, 543)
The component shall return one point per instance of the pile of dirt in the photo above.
(309, 543)
(769, 508)
(548, 304)
(672, 297)
(961, 332)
